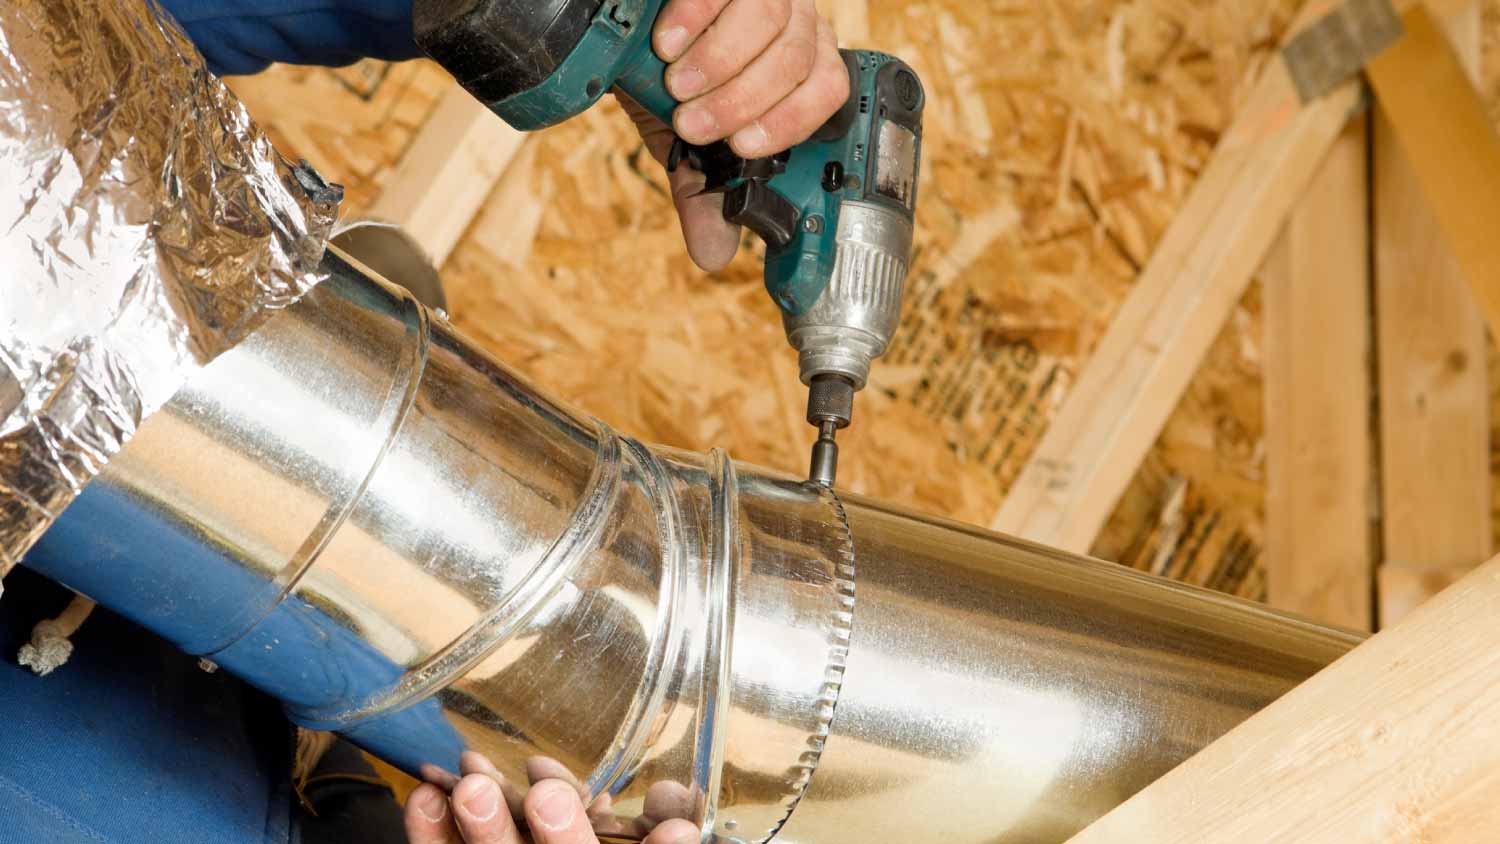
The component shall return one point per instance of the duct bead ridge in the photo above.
(509, 614)
(842, 628)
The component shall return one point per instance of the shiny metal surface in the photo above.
(362, 514)
(146, 225)
(1002, 691)
(853, 321)
(389, 251)
(823, 466)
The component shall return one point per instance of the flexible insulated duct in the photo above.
(361, 513)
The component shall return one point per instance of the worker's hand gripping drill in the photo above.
(762, 75)
(835, 210)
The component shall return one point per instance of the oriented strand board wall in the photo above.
(1061, 138)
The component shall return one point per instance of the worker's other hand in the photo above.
(481, 802)
(763, 74)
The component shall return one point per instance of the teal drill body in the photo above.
(616, 51)
(836, 211)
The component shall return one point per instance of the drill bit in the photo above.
(825, 456)
(830, 405)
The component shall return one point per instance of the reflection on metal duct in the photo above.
(359, 512)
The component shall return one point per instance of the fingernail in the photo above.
(685, 82)
(695, 124)
(749, 140)
(556, 808)
(482, 804)
(686, 837)
(431, 805)
(671, 41)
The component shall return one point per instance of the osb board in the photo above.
(1195, 510)
(1061, 138)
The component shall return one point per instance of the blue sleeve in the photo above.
(243, 36)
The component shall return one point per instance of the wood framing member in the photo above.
(1425, 84)
(1396, 742)
(1434, 409)
(449, 169)
(1319, 456)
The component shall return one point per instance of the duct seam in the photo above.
(842, 630)
(630, 744)
(718, 678)
(470, 648)
(398, 405)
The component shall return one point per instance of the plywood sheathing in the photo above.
(1061, 138)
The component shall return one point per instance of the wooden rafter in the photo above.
(1397, 742)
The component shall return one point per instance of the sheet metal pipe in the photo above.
(359, 512)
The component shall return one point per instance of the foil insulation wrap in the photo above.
(146, 225)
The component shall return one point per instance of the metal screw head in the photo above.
(812, 224)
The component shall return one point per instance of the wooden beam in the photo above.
(1396, 742)
(1319, 455)
(1143, 363)
(1426, 87)
(449, 169)
(1434, 409)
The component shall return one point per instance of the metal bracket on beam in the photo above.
(1336, 47)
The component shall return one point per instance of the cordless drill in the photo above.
(835, 211)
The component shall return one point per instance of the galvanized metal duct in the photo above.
(361, 513)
